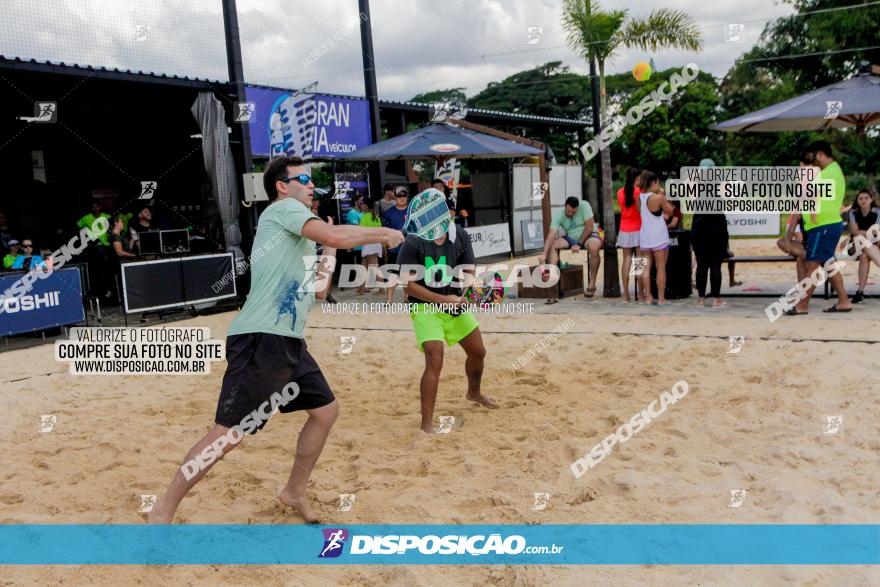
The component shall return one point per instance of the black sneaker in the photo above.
(857, 298)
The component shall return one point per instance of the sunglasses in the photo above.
(27, 246)
(403, 195)
(303, 179)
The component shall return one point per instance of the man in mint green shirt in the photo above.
(268, 364)
(573, 228)
(822, 230)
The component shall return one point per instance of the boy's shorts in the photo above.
(432, 325)
(821, 242)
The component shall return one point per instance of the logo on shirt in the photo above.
(431, 269)
(334, 540)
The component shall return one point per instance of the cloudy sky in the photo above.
(419, 45)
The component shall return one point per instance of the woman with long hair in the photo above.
(864, 214)
(653, 235)
(630, 225)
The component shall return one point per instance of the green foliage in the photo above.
(675, 134)
(547, 90)
(754, 83)
(450, 95)
(820, 32)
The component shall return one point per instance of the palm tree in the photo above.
(595, 34)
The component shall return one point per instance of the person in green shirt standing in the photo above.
(822, 229)
(89, 219)
(573, 228)
(266, 352)
(98, 256)
(9, 259)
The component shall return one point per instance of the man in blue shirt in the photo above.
(27, 260)
(395, 217)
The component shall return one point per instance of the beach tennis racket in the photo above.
(488, 289)
(428, 215)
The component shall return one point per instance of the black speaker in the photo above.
(679, 270)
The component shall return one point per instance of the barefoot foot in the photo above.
(301, 504)
(481, 399)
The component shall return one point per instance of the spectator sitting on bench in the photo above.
(122, 247)
(862, 216)
(793, 241)
(573, 228)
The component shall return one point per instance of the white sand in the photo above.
(751, 421)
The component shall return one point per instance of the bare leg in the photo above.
(593, 246)
(311, 441)
(803, 306)
(624, 273)
(864, 268)
(163, 511)
(430, 379)
(473, 367)
(392, 280)
(873, 253)
(646, 276)
(842, 299)
(362, 288)
(373, 273)
(731, 269)
(660, 257)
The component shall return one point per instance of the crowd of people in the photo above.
(648, 220)
(103, 255)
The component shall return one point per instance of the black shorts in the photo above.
(261, 364)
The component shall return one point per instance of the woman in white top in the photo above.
(653, 236)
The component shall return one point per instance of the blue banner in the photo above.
(615, 544)
(55, 300)
(306, 125)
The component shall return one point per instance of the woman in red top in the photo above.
(630, 224)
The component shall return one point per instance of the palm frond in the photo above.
(662, 29)
(590, 31)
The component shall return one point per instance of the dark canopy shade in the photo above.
(439, 140)
(855, 102)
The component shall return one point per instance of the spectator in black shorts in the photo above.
(862, 216)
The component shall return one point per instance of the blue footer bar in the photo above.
(641, 544)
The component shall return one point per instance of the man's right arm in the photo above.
(347, 236)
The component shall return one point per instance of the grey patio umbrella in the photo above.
(851, 103)
(441, 140)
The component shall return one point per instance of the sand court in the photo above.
(753, 421)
